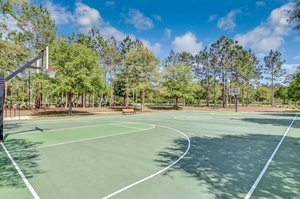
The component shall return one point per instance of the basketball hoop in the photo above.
(51, 72)
(235, 92)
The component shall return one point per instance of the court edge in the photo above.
(253, 187)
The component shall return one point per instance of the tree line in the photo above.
(104, 71)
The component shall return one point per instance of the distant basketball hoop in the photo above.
(235, 92)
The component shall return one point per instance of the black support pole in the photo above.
(2, 85)
(9, 77)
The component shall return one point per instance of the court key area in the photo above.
(181, 154)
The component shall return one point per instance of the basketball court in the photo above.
(186, 154)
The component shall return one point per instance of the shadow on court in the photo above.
(272, 121)
(229, 165)
(25, 155)
(10, 126)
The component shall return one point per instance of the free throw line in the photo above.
(269, 161)
(158, 172)
(92, 138)
(32, 191)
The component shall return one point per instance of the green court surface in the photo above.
(167, 155)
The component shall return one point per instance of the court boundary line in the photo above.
(79, 127)
(26, 182)
(258, 179)
(93, 138)
(158, 172)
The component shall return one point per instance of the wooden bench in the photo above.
(128, 111)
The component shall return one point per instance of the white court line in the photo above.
(32, 191)
(93, 138)
(193, 118)
(59, 129)
(78, 127)
(126, 126)
(94, 125)
(160, 171)
(269, 161)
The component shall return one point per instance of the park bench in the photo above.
(128, 111)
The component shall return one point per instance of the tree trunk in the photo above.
(38, 97)
(143, 99)
(66, 100)
(101, 100)
(215, 92)
(29, 91)
(110, 96)
(133, 98)
(70, 95)
(207, 91)
(243, 101)
(176, 103)
(126, 92)
(199, 95)
(93, 101)
(223, 90)
(273, 90)
(247, 98)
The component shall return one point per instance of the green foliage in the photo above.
(77, 67)
(11, 55)
(177, 79)
(34, 25)
(273, 66)
(142, 68)
(294, 88)
(263, 94)
(282, 93)
(295, 16)
(273, 70)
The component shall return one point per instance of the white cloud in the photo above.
(109, 3)
(187, 42)
(296, 57)
(228, 22)
(138, 19)
(290, 68)
(87, 16)
(108, 31)
(59, 14)
(269, 34)
(168, 33)
(155, 48)
(212, 18)
(157, 17)
(260, 3)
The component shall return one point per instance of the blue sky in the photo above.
(188, 25)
